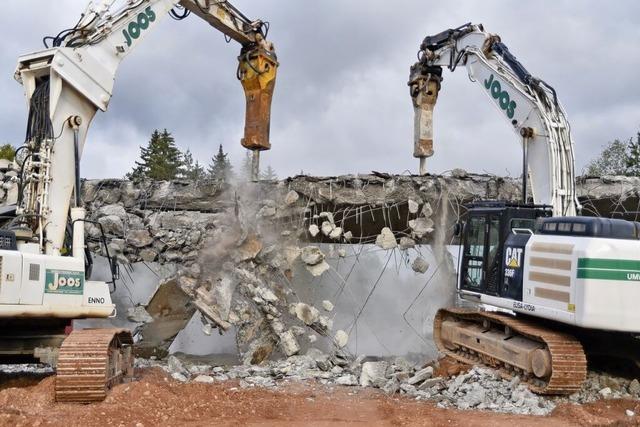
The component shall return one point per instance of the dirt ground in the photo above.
(155, 400)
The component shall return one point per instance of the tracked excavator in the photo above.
(549, 288)
(45, 267)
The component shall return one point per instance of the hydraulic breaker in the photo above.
(425, 85)
(257, 71)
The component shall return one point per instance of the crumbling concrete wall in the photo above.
(245, 254)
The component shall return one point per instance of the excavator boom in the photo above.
(529, 106)
(65, 85)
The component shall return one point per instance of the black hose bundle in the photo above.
(39, 126)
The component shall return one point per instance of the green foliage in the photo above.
(220, 167)
(617, 158)
(192, 170)
(268, 174)
(161, 160)
(7, 151)
(633, 159)
(612, 160)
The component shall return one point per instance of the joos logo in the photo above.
(502, 96)
(64, 282)
(135, 28)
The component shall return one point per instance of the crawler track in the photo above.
(567, 357)
(90, 362)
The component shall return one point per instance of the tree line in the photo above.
(619, 157)
(162, 160)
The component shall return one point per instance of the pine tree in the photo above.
(633, 159)
(192, 170)
(161, 160)
(220, 166)
(269, 174)
(7, 152)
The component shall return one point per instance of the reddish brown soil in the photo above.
(155, 400)
(448, 367)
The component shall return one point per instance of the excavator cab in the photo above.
(487, 227)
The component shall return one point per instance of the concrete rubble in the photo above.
(478, 388)
(237, 249)
(420, 265)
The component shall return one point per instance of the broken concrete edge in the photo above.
(236, 245)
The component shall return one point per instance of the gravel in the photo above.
(478, 389)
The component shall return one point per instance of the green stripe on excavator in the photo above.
(626, 275)
(609, 264)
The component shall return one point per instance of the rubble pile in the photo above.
(604, 386)
(479, 388)
(236, 248)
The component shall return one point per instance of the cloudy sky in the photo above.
(341, 102)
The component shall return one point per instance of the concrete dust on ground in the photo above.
(155, 399)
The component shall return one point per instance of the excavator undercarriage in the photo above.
(549, 362)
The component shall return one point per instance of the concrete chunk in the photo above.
(318, 269)
(205, 379)
(139, 314)
(327, 228)
(420, 265)
(314, 230)
(312, 255)
(291, 197)
(407, 242)
(347, 380)
(386, 239)
(374, 374)
(421, 375)
(335, 233)
(341, 338)
(421, 226)
(306, 313)
(289, 343)
(413, 206)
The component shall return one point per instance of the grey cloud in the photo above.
(341, 102)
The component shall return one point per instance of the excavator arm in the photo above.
(68, 82)
(528, 104)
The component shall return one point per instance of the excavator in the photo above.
(550, 289)
(45, 267)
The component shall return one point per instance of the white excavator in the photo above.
(44, 266)
(560, 287)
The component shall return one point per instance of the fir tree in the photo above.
(220, 166)
(269, 174)
(612, 160)
(161, 160)
(7, 152)
(192, 170)
(633, 159)
(617, 158)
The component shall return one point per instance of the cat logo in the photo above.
(513, 257)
